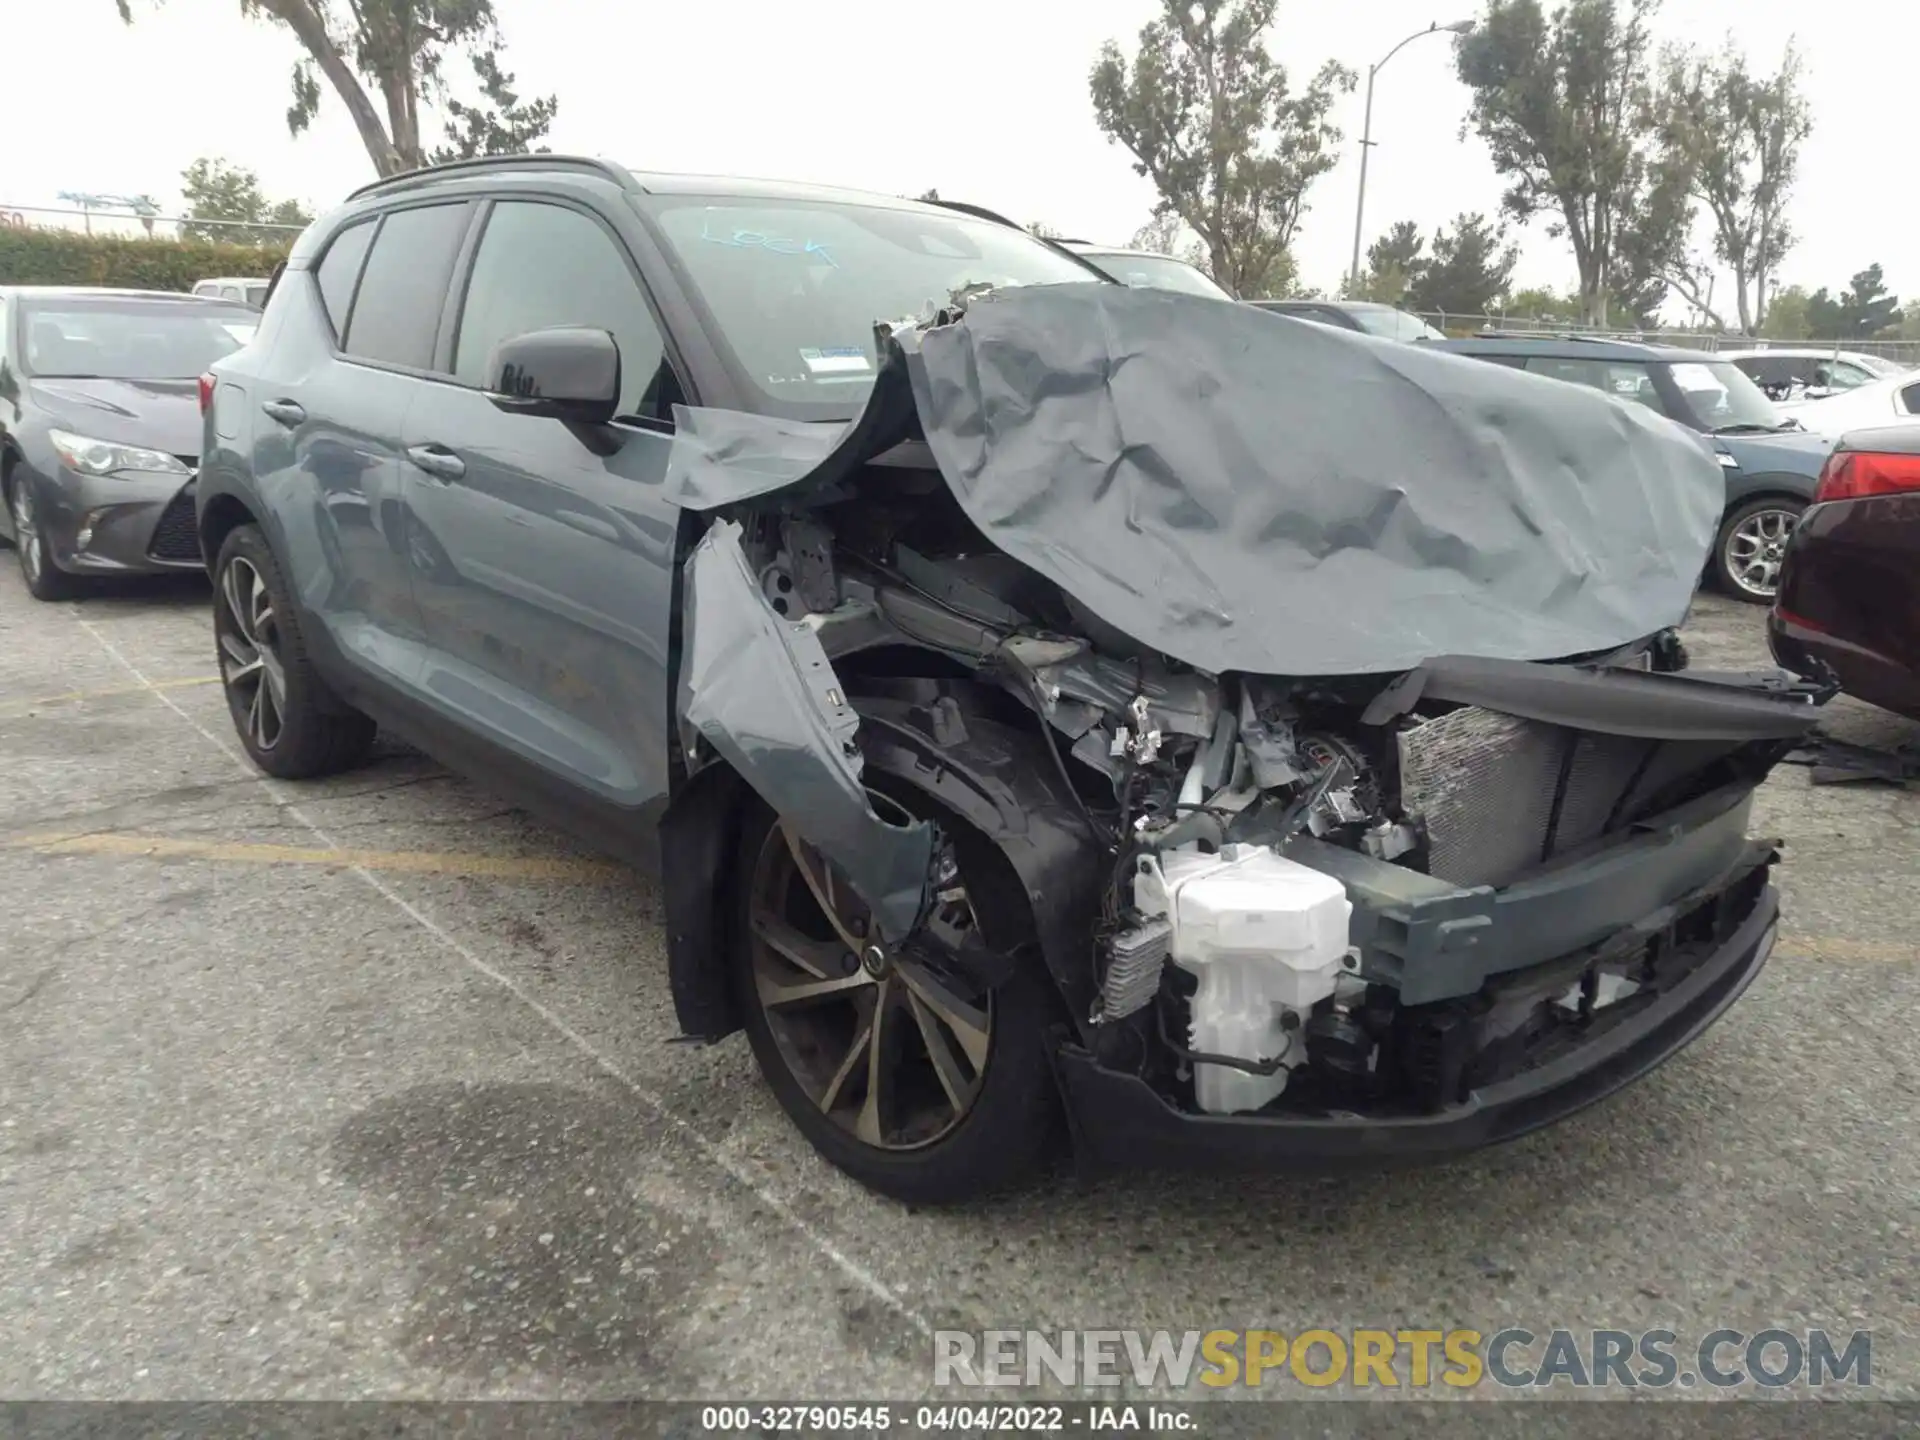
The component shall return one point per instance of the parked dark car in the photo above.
(100, 428)
(1028, 702)
(1771, 462)
(1849, 602)
(1366, 316)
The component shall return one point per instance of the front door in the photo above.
(543, 558)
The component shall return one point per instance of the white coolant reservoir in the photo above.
(1265, 936)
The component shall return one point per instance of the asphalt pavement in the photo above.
(362, 1089)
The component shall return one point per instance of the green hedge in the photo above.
(69, 257)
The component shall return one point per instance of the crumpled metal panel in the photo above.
(762, 692)
(721, 457)
(1244, 491)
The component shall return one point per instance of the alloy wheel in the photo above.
(250, 663)
(26, 532)
(881, 1042)
(1755, 549)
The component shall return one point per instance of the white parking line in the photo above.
(848, 1266)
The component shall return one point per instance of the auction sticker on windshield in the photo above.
(837, 360)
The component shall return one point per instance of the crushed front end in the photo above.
(1518, 915)
(1337, 735)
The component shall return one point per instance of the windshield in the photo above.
(1879, 365)
(1395, 325)
(1156, 272)
(794, 287)
(129, 339)
(1720, 397)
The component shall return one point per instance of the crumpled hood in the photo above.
(1247, 492)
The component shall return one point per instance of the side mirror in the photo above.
(569, 373)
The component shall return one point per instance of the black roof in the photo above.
(1572, 347)
(639, 182)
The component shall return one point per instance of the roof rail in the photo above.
(481, 163)
(979, 212)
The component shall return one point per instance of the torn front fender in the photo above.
(761, 691)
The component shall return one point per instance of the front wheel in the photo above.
(892, 1065)
(45, 580)
(1752, 541)
(292, 725)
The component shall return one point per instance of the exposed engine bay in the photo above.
(1225, 959)
(1336, 863)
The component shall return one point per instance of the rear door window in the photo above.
(339, 272)
(396, 310)
(1776, 374)
(541, 266)
(1910, 399)
(1622, 380)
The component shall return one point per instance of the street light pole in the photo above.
(1458, 27)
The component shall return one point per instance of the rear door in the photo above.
(327, 440)
(544, 554)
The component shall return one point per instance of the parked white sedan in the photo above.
(1893, 401)
(1809, 372)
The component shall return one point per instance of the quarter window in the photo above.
(1910, 399)
(340, 269)
(541, 266)
(396, 311)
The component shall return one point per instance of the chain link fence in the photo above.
(1902, 352)
(133, 226)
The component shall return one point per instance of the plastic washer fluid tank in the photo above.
(1264, 935)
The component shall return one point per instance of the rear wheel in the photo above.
(1752, 541)
(888, 1061)
(45, 580)
(292, 724)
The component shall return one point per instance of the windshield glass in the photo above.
(1879, 364)
(1156, 272)
(1720, 396)
(794, 287)
(1395, 325)
(129, 339)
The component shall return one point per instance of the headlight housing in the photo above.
(84, 456)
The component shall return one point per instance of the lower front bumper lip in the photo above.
(120, 517)
(1120, 1121)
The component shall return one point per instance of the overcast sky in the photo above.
(984, 99)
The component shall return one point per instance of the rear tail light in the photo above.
(206, 392)
(1857, 474)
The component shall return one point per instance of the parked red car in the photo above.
(1849, 594)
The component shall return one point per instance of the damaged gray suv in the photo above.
(1069, 718)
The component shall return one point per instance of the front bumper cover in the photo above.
(1119, 1120)
(125, 511)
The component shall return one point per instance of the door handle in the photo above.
(287, 412)
(437, 461)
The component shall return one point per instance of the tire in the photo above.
(297, 728)
(1010, 1127)
(44, 579)
(1748, 549)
